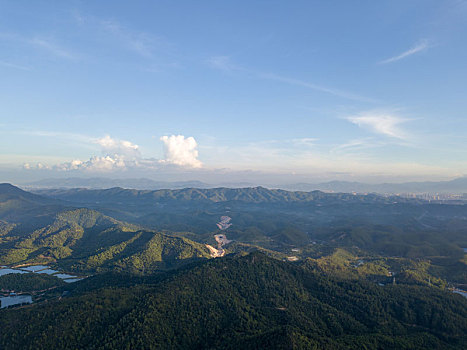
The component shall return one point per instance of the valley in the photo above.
(142, 248)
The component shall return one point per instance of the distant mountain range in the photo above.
(131, 197)
(456, 186)
(271, 218)
(102, 182)
(36, 229)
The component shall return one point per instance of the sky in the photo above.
(258, 91)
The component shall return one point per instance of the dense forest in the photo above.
(248, 301)
(29, 282)
(301, 270)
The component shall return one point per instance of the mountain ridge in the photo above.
(454, 186)
(219, 194)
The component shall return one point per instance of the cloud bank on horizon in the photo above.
(125, 155)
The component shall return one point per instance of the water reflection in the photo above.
(35, 268)
(41, 269)
(15, 300)
(48, 271)
(7, 271)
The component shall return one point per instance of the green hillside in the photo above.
(29, 282)
(87, 241)
(170, 226)
(247, 302)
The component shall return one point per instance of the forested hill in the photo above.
(241, 302)
(143, 231)
(85, 240)
(247, 195)
(17, 205)
(39, 230)
(13, 197)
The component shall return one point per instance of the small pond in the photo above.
(7, 271)
(34, 268)
(42, 269)
(461, 292)
(15, 300)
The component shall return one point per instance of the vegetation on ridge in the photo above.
(247, 301)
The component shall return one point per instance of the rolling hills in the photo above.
(36, 229)
(247, 301)
(84, 240)
(153, 285)
(142, 231)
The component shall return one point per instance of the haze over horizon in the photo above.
(265, 92)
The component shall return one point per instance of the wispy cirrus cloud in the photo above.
(381, 123)
(225, 63)
(320, 88)
(52, 47)
(355, 145)
(83, 139)
(44, 43)
(140, 43)
(420, 46)
(14, 65)
(112, 31)
(273, 154)
(307, 156)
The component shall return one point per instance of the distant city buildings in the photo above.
(435, 196)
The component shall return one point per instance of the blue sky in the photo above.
(302, 90)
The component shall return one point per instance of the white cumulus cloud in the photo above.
(124, 155)
(96, 163)
(37, 166)
(111, 147)
(181, 151)
(116, 155)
